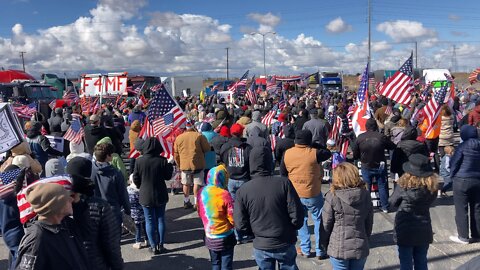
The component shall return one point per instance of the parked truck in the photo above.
(180, 85)
(331, 81)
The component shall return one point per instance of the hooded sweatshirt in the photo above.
(117, 161)
(78, 150)
(256, 122)
(133, 133)
(215, 204)
(273, 217)
(407, 146)
(465, 160)
(285, 143)
(255, 138)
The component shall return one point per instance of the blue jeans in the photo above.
(313, 205)
(233, 186)
(222, 260)
(413, 257)
(285, 257)
(381, 176)
(351, 264)
(139, 228)
(155, 224)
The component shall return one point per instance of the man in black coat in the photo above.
(55, 123)
(273, 217)
(370, 149)
(94, 132)
(285, 143)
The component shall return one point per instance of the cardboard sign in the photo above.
(112, 84)
(11, 132)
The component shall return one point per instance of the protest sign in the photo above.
(11, 132)
(112, 84)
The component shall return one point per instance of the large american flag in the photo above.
(336, 129)
(251, 95)
(282, 102)
(75, 132)
(399, 87)
(70, 94)
(238, 85)
(7, 182)
(271, 84)
(25, 111)
(26, 211)
(268, 118)
(432, 108)
(362, 111)
(164, 114)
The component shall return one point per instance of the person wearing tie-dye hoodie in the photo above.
(215, 208)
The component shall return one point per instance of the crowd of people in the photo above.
(250, 181)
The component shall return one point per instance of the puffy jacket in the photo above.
(406, 147)
(446, 131)
(370, 149)
(189, 151)
(474, 116)
(413, 216)
(273, 217)
(347, 221)
(215, 205)
(110, 186)
(466, 159)
(53, 247)
(150, 173)
(100, 233)
(236, 154)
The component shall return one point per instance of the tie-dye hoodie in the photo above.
(215, 205)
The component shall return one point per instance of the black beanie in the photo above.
(303, 137)
(80, 169)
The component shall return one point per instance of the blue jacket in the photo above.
(210, 157)
(464, 163)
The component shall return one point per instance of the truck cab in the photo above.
(26, 92)
(331, 82)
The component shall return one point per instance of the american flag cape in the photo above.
(433, 106)
(270, 116)
(241, 83)
(362, 111)
(7, 182)
(26, 211)
(399, 87)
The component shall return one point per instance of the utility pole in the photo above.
(454, 59)
(416, 55)
(23, 60)
(369, 33)
(227, 62)
(263, 39)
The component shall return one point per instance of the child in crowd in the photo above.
(136, 214)
(414, 194)
(445, 170)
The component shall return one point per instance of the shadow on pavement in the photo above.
(381, 239)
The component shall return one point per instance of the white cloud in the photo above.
(267, 21)
(403, 30)
(338, 25)
(454, 17)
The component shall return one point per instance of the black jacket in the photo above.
(235, 154)
(100, 232)
(110, 186)
(256, 139)
(285, 143)
(413, 216)
(370, 149)
(52, 247)
(93, 134)
(56, 124)
(406, 147)
(217, 143)
(300, 120)
(150, 173)
(273, 217)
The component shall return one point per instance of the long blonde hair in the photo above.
(409, 181)
(345, 175)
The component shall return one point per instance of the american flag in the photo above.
(362, 111)
(25, 111)
(75, 132)
(336, 129)
(157, 87)
(474, 76)
(378, 86)
(400, 86)
(371, 80)
(241, 83)
(273, 141)
(219, 87)
(271, 84)
(26, 211)
(251, 95)
(344, 147)
(292, 100)
(432, 108)
(282, 102)
(136, 88)
(268, 118)
(70, 94)
(164, 114)
(7, 182)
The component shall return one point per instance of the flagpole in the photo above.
(369, 32)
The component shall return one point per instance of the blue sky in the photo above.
(335, 30)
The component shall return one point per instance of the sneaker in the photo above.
(439, 194)
(187, 205)
(137, 245)
(300, 253)
(161, 249)
(459, 240)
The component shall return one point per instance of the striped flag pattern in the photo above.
(26, 211)
(251, 95)
(241, 83)
(164, 113)
(273, 141)
(400, 86)
(362, 110)
(336, 129)
(25, 111)
(75, 132)
(268, 118)
(432, 108)
(474, 76)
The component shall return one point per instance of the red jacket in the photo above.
(474, 116)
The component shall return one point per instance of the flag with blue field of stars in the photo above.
(7, 182)
(400, 86)
(164, 114)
